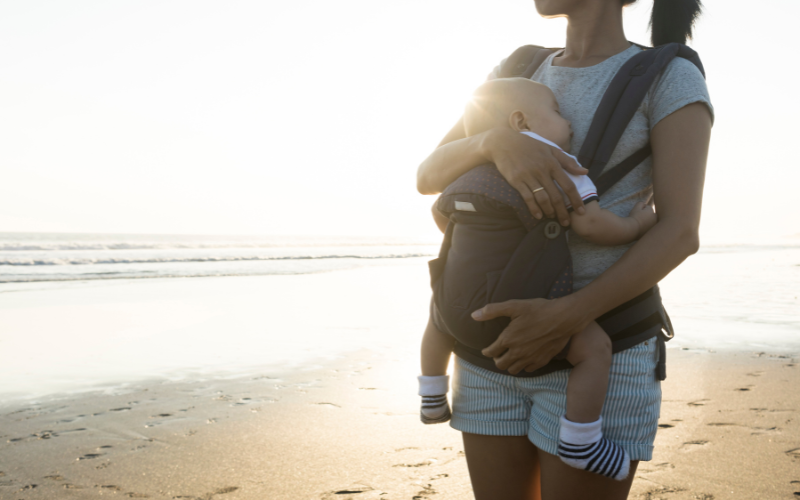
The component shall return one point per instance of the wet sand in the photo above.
(321, 400)
(349, 430)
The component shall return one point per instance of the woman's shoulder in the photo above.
(680, 84)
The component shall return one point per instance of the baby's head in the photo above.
(520, 104)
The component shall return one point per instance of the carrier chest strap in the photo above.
(622, 169)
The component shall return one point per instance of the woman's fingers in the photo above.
(570, 191)
(528, 197)
(554, 200)
(568, 163)
(492, 311)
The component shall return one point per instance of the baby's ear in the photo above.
(518, 121)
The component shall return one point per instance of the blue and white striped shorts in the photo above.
(494, 404)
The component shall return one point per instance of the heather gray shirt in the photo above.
(578, 92)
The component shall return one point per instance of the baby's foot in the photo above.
(433, 390)
(435, 409)
(583, 446)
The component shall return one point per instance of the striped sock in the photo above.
(583, 446)
(433, 390)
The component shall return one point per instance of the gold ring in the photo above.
(537, 190)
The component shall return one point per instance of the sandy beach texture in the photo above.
(342, 427)
(729, 430)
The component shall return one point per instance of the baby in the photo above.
(531, 109)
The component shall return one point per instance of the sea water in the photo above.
(31, 257)
(76, 311)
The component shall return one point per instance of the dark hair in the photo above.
(672, 20)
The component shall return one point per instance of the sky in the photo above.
(310, 117)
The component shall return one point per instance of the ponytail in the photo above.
(672, 20)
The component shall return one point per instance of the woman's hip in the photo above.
(490, 403)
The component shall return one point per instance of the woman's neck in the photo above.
(593, 35)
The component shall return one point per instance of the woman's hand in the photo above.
(528, 165)
(539, 330)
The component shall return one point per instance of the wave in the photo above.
(177, 243)
(76, 261)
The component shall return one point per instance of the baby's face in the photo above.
(544, 118)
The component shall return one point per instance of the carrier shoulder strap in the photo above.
(524, 61)
(623, 97)
(619, 104)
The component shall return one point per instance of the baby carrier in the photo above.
(494, 250)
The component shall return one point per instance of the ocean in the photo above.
(81, 311)
(32, 257)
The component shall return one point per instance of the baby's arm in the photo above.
(603, 227)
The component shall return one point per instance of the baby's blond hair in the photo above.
(493, 102)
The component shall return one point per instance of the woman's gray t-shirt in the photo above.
(578, 92)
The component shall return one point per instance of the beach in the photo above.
(303, 387)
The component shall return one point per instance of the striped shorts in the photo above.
(494, 404)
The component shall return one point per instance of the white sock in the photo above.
(433, 390)
(583, 446)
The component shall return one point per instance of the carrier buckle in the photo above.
(552, 230)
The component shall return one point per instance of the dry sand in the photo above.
(350, 430)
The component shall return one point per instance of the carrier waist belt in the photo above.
(630, 324)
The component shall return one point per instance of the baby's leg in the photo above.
(435, 352)
(581, 442)
(433, 384)
(590, 354)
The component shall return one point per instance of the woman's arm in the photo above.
(540, 328)
(525, 163)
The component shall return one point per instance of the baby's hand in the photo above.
(645, 216)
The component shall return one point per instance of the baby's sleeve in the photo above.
(681, 84)
(584, 185)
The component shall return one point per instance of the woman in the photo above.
(509, 424)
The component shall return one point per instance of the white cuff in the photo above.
(576, 433)
(433, 386)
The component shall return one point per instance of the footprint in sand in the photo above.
(743, 389)
(109, 487)
(354, 492)
(89, 456)
(123, 408)
(755, 374)
(699, 402)
(795, 453)
(765, 430)
(209, 496)
(328, 404)
(424, 463)
(693, 445)
(665, 426)
(670, 492)
(655, 468)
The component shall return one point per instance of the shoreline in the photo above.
(349, 430)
